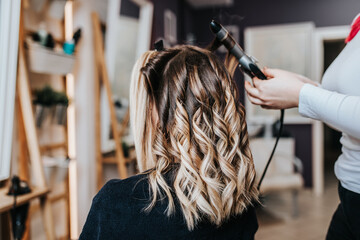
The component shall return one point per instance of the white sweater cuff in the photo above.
(306, 100)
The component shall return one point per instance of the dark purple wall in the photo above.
(252, 13)
(178, 7)
(264, 12)
(183, 13)
(303, 148)
(129, 9)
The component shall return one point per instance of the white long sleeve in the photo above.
(337, 103)
(340, 111)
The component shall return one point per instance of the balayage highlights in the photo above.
(186, 116)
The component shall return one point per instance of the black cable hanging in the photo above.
(282, 113)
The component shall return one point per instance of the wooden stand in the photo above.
(101, 78)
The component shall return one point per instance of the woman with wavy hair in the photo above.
(198, 179)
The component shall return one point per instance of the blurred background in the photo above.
(65, 74)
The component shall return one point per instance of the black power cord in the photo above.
(282, 113)
(19, 213)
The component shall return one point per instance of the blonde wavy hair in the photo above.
(187, 120)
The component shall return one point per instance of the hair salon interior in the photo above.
(64, 98)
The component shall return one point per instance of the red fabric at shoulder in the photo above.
(355, 27)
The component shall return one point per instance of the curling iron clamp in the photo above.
(248, 66)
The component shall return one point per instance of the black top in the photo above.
(117, 212)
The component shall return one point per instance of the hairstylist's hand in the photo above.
(280, 91)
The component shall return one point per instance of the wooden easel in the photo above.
(26, 118)
(101, 78)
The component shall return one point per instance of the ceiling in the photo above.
(209, 3)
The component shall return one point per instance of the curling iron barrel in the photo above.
(247, 63)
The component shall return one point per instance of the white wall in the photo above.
(84, 104)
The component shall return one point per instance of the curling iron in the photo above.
(248, 65)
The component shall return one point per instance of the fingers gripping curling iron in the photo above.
(247, 65)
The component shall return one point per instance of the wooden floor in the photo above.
(277, 223)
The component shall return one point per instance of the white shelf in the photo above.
(45, 60)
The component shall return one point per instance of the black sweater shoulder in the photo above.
(117, 212)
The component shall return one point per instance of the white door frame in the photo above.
(320, 35)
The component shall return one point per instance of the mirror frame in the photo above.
(9, 37)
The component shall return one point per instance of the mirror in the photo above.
(128, 35)
(9, 36)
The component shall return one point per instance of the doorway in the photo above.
(332, 145)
